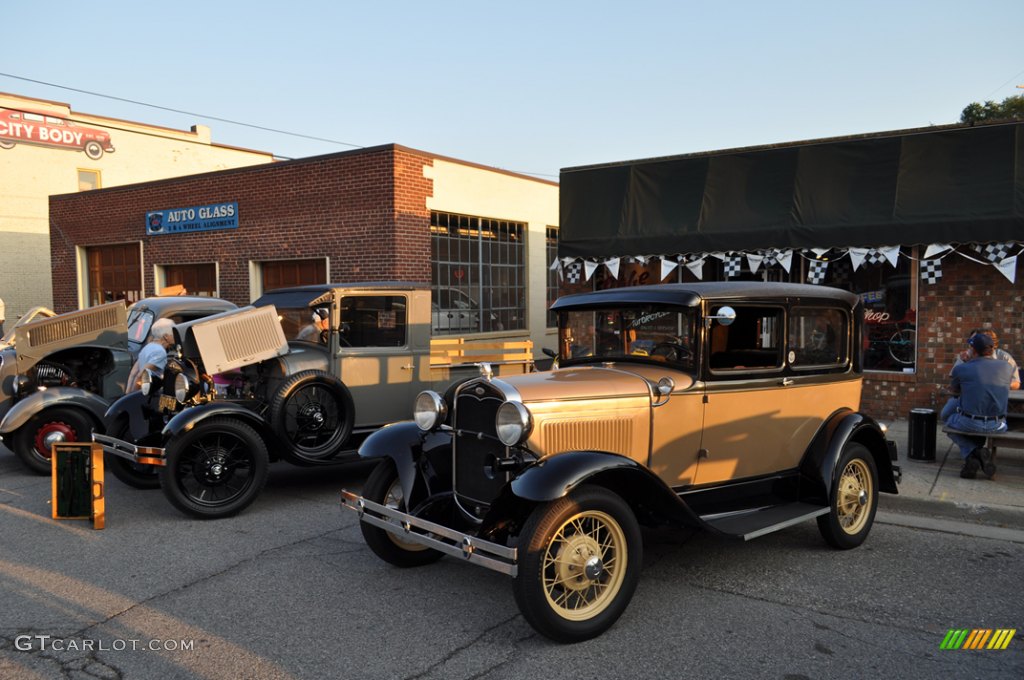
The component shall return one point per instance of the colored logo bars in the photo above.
(978, 638)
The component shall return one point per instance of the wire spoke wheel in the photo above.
(579, 563)
(581, 571)
(854, 491)
(854, 499)
(216, 469)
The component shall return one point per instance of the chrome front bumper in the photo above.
(145, 455)
(411, 529)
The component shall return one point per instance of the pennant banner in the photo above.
(667, 267)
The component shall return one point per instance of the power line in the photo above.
(222, 120)
(1004, 84)
(187, 113)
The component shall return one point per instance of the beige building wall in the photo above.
(483, 192)
(30, 173)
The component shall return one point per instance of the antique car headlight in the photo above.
(513, 423)
(429, 410)
(145, 382)
(181, 388)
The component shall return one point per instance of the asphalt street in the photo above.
(288, 589)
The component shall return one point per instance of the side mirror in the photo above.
(549, 352)
(725, 316)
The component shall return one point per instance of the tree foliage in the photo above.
(1011, 108)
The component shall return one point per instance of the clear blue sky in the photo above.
(526, 86)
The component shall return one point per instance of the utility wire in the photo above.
(222, 120)
(187, 113)
(1004, 85)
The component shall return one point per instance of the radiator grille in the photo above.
(476, 447)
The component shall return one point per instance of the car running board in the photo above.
(749, 524)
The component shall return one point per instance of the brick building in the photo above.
(481, 236)
(47, 148)
(926, 225)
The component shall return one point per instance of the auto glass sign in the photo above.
(195, 218)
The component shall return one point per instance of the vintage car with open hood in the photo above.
(59, 373)
(302, 376)
(730, 407)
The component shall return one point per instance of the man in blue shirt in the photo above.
(983, 384)
(152, 357)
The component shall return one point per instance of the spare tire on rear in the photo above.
(312, 414)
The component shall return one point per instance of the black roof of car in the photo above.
(324, 287)
(165, 306)
(690, 294)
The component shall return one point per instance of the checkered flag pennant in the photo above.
(993, 252)
(573, 272)
(874, 256)
(816, 272)
(842, 270)
(931, 270)
(733, 266)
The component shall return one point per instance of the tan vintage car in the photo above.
(731, 407)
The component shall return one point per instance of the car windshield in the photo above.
(643, 333)
(299, 323)
(139, 323)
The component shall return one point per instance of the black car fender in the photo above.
(190, 417)
(130, 409)
(555, 476)
(818, 469)
(423, 459)
(74, 397)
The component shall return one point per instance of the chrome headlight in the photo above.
(429, 410)
(145, 382)
(513, 423)
(181, 387)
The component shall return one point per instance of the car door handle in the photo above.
(408, 367)
(786, 382)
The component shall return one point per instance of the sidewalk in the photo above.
(935, 488)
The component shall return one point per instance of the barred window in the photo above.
(551, 249)
(478, 274)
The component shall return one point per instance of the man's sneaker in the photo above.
(984, 456)
(970, 468)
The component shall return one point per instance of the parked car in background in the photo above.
(729, 407)
(303, 376)
(61, 373)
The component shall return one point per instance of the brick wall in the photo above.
(365, 210)
(969, 295)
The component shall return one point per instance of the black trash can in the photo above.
(921, 434)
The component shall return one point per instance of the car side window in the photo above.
(373, 321)
(751, 343)
(817, 337)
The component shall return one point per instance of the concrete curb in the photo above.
(961, 511)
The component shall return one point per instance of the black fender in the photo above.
(74, 397)
(423, 459)
(552, 478)
(190, 417)
(129, 408)
(818, 469)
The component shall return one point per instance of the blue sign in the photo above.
(196, 218)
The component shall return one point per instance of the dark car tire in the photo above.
(49, 425)
(382, 487)
(854, 499)
(93, 150)
(312, 413)
(133, 474)
(556, 596)
(216, 469)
